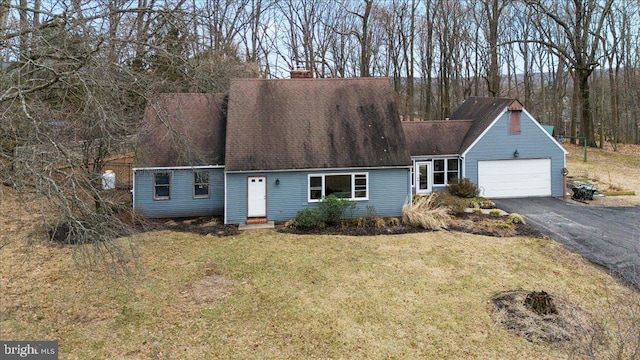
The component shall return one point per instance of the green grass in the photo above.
(269, 295)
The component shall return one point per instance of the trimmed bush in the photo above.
(463, 188)
(309, 218)
(332, 208)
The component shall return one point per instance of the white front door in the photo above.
(423, 177)
(256, 196)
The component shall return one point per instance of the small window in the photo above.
(360, 187)
(445, 171)
(514, 122)
(201, 184)
(438, 172)
(161, 186)
(452, 170)
(315, 187)
(412, 175)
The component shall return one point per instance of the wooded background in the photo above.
(75, 75)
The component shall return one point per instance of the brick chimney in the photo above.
(300, 72)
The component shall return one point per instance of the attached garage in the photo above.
(514, 178)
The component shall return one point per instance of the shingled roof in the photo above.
(435, 137)
(313, 124)
(482, 110)
(185, 129)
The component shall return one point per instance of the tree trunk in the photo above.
(574, 108)
(24, 31)
(493, 10)
(365, 41)
(586, 117)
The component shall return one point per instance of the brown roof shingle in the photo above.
(312, 124)
(482, 110)
(186, 129)
(440, 137)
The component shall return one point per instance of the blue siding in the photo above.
(532, 143)
(388, 191)
(181, 202)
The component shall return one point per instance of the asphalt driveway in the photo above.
(607, 236)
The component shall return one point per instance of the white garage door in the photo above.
(514, 178)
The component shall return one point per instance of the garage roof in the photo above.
(483, 111)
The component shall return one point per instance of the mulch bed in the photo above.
(355, 230)
(490, 225)
(479, 224)
(212, 226)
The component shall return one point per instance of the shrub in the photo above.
(345, 223)
(371, 212)
(482, 203)
(360, 222)
(477, 211)
(494, 212)
(393, 222)
(309, 218)
(425, 213)
(515, 219)
(377, 222)
(463, 188)
(332, 208)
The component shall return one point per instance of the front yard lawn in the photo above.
(265, 294)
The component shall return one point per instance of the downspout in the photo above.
(133, 190)
(410, 180)
(225, 199)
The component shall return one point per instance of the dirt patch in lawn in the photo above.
(210, 290)
(570, 328)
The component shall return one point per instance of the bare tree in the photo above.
(492, 11)
(362, 32)
(582, 23)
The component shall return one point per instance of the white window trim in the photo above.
(193, 188)
(412, 173)
(161, 198)
(353, 185)
(446, 170)
(415, 173)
